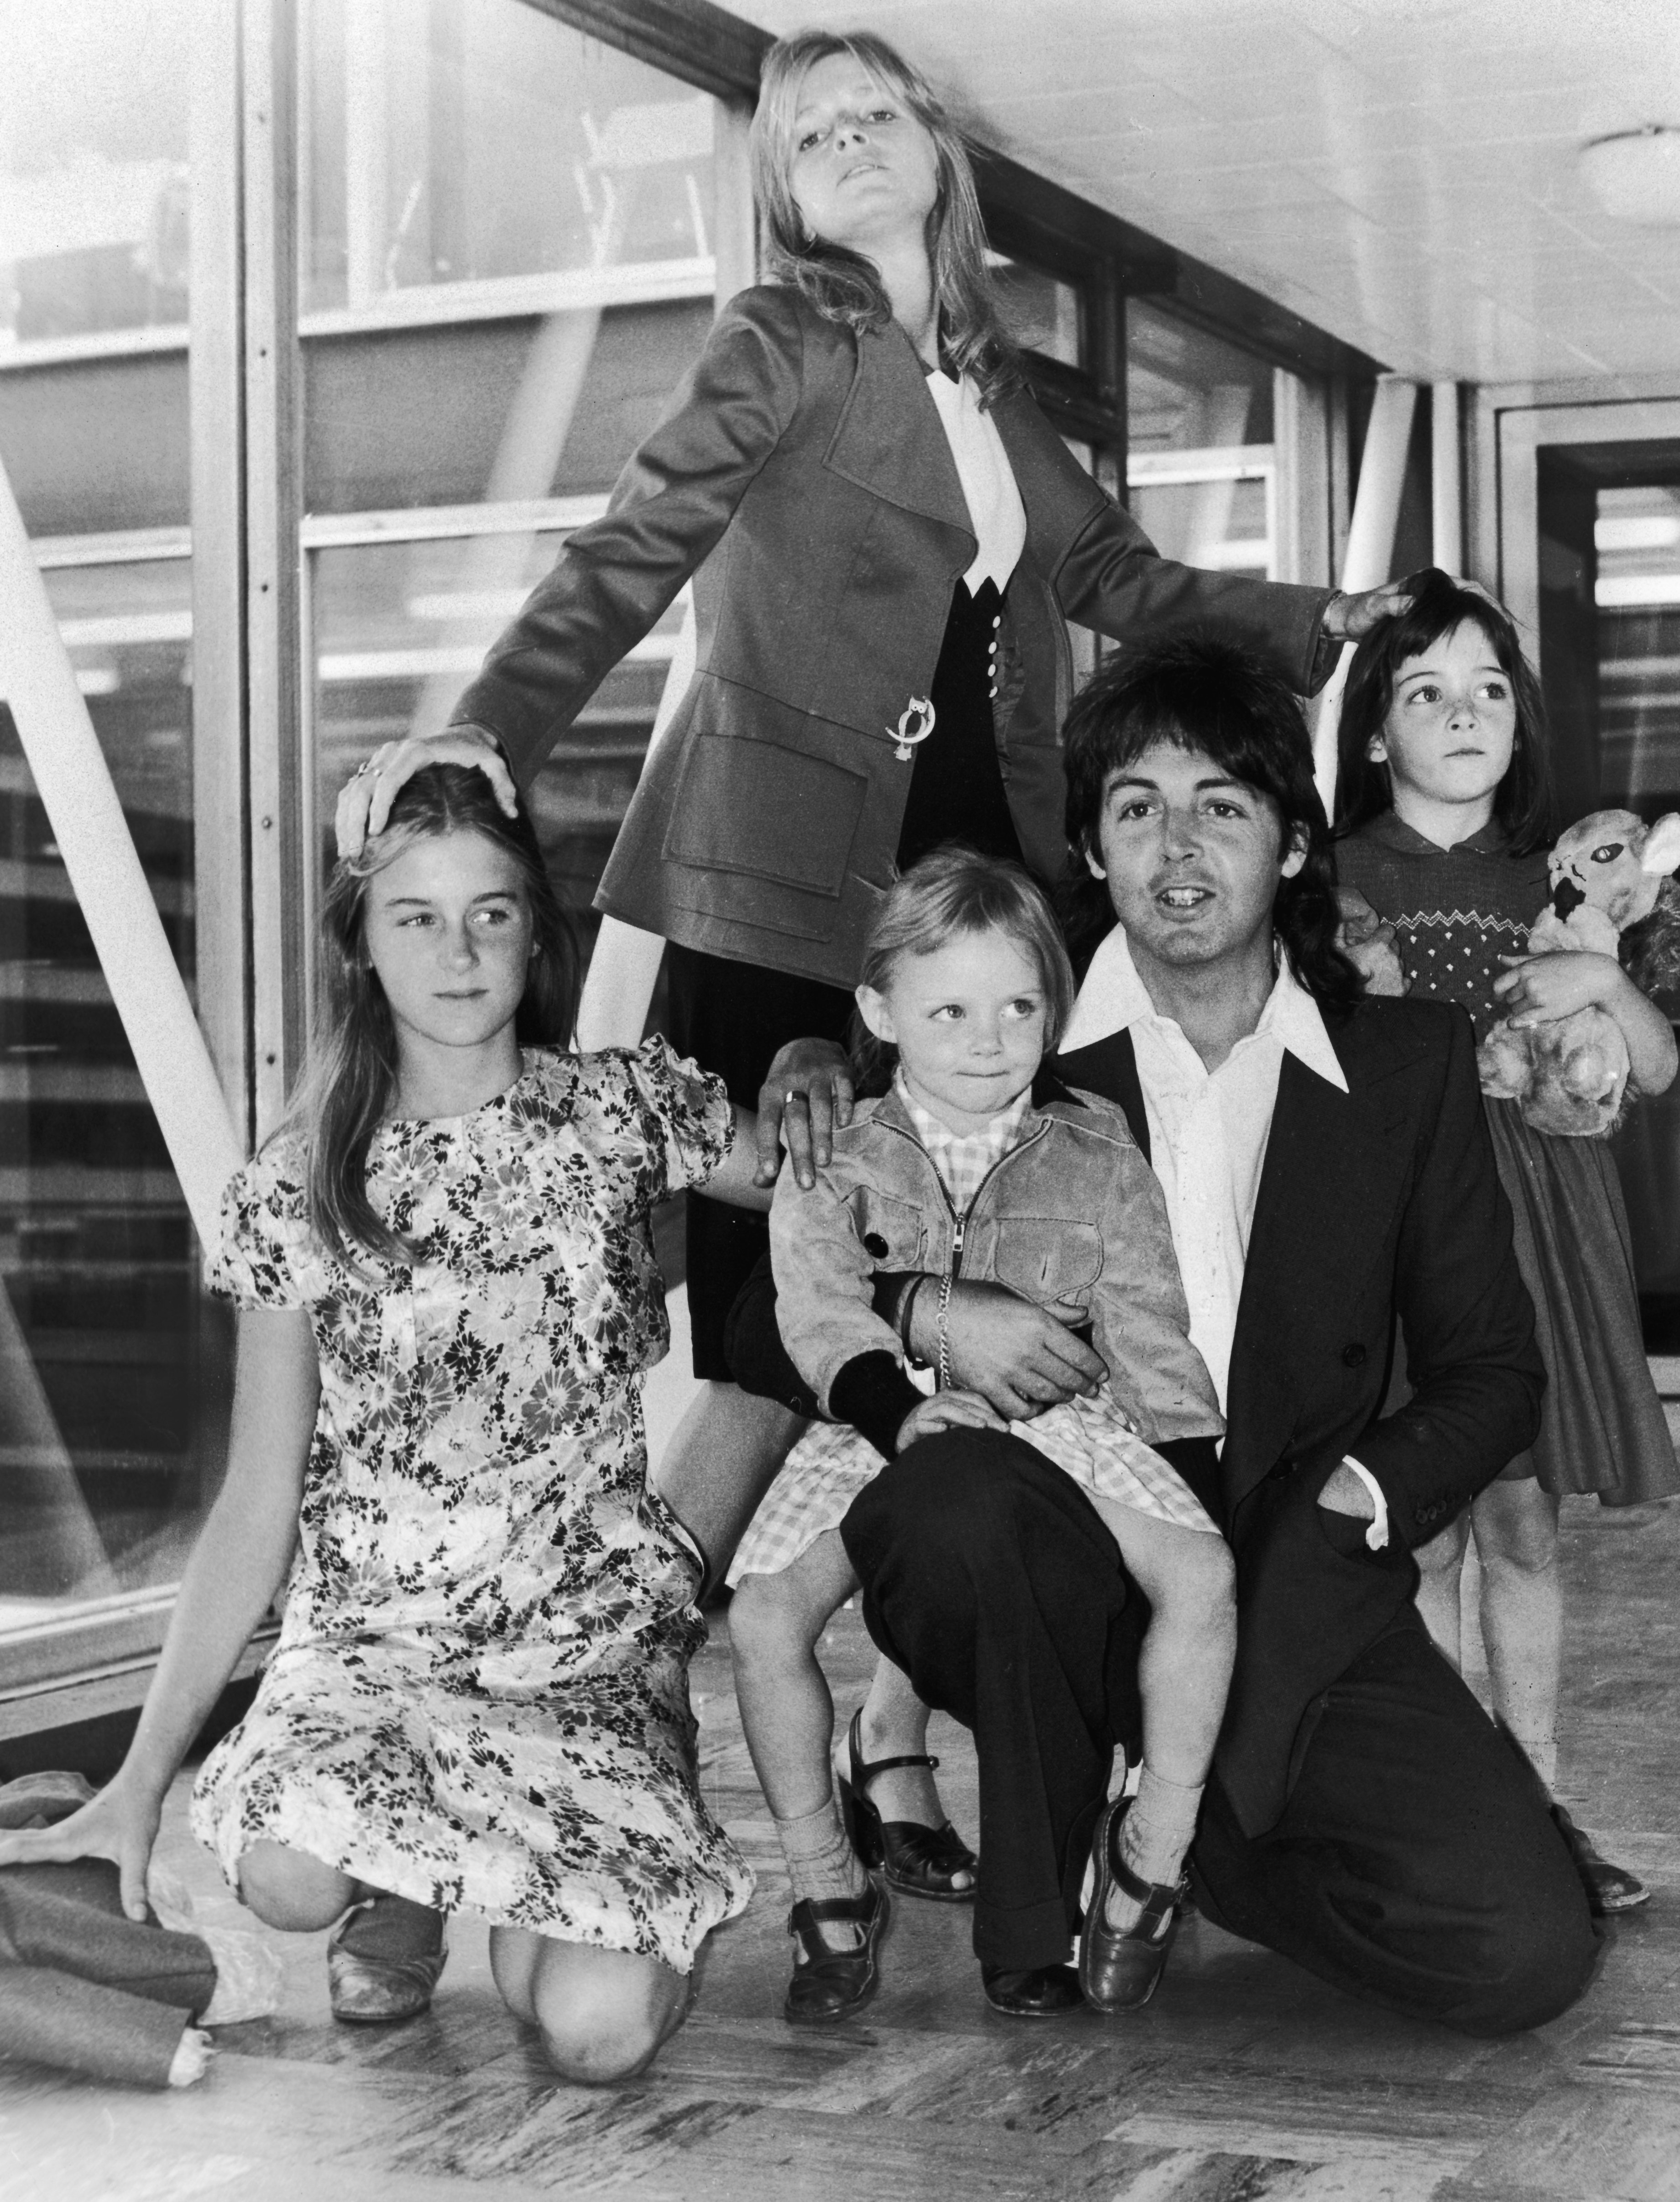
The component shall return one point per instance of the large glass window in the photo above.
(114, 1365)
(93, 169)
(510, 262)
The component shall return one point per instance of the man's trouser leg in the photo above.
(993, 1582)
(1415, 1863)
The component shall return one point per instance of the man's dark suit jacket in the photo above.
(1381, 1202)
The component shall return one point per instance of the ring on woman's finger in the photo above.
(367, 765)
(792, 1095)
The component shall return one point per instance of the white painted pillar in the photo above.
(1370, 543)
(74, 785)
(1446, 487)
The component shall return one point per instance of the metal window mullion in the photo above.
(216, 405)
(273, 595)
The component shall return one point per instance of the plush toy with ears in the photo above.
(1612, 894)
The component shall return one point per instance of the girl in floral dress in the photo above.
(478, 1701)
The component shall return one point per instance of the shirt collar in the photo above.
(1393, 832)
(1113, 998)
(1000, 1134)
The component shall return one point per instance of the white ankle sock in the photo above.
(1159, 1827)
(821, 1864)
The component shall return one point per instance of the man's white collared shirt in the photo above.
(1207, 1129)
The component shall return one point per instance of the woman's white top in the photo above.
(995, 512)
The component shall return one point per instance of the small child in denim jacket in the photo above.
(965, 980)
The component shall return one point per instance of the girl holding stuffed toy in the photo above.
(1445, 810)
(478, 1701)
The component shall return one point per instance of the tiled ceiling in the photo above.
(1403, 172)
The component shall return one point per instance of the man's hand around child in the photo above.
(949, 1411)
(1020, 1356)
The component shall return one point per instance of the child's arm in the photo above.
(1539, 989)
(735, 1177)
(849, 1355)
(236, 1567)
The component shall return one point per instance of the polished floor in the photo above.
(1244, 2080)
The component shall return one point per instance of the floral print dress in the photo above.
(480, 1697)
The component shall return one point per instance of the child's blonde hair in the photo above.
(954, 890)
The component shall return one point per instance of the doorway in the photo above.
(1589, 513)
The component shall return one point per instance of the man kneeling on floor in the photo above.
(1326, 1169)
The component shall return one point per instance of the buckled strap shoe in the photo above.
(830, 1985)
(384, 1960)
(916, 1860)
(1120, 1968)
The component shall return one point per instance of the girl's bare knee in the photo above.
(602, 2014)
(291, 1891)
(771, 1617)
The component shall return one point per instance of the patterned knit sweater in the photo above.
(1454, 912)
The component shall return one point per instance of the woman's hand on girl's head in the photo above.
(120, 1823)
(365, 799)
(806, 1095)
(949, 1411)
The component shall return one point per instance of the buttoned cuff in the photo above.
(1377, 1535)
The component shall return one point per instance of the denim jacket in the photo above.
(1072, 1217)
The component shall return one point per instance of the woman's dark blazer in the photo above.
(804, 479)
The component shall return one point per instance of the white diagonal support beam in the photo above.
(75, 787)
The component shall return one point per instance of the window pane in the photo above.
(449, 147)
(93, 150)
(115, 1366)
(1638, 589)
(1202, 464)
(401, 628)
(1042, 312)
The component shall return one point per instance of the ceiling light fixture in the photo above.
(1635, 176)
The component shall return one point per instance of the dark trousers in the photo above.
(1415, 1864)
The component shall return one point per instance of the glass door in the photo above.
(1591, 542)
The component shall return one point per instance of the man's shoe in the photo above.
(1610, 1889)
(829, 1985)
(1040, 1992)
(1120, 1968)
(384, 1961)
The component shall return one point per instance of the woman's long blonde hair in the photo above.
(349, 1080)
(842, 285)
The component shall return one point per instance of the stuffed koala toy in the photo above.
(1609, 876)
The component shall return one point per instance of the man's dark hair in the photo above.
(1209, 696)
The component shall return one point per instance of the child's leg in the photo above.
(1183, 1676)
(602, 2014)
(775, 1622)
(1516, 1527)
(1440, 1572)
(289, 1889)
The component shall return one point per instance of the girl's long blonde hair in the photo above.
(842, 285)
(349, 1080)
